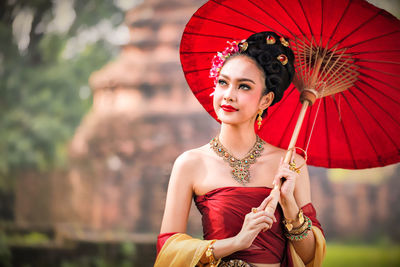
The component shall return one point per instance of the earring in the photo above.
(259, 118)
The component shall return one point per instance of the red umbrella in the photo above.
(347, 49)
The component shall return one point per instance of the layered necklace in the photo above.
(240, 167)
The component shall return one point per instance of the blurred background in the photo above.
(95, 109)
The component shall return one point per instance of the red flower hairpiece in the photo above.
(219, 60)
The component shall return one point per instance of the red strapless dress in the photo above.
(223, 211)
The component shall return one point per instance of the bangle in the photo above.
(300, 235)
(301, 228)
(210, 254)
(289, 223)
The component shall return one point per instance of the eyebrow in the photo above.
(240, 80)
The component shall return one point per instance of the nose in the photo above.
(230, 94)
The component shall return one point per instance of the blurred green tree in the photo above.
(48, 49)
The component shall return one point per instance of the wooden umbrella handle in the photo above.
(275, 193)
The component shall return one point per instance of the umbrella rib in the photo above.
(373, 38)
(224, 23)
(203, 89)
(197, 52)
(287, 13)
(361, 25)
(347, 140)
(376, 79)
(339, 22)
(362, 128)
(247, 16)
(196, 70)
(262, 10)
(380, 92)
(377, 61)
(375, 52)
(328, 144)
(209, 35)
(377, 104)
(376, 121)
(210, 110)
(322, 18)
(289, 123)
(304, 13)
(379, 71)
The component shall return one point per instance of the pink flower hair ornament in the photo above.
(220, 58)
(238, 47)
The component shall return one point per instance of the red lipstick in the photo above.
(228, 108)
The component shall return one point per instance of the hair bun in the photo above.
(266, 48)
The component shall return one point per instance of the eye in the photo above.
(244, 86)
(222, 82)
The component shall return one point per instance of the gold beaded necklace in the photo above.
(240, 167)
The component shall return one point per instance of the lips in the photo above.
(228, 108)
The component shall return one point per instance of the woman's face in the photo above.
(238, 93)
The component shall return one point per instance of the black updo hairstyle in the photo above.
(277, 76)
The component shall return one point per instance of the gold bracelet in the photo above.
(289, 223)
(301, 228)
(302, 235)
(210, 254)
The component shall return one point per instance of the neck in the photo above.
(237, 139)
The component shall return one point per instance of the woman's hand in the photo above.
(287, 188)
(287, 199)
(255, 221)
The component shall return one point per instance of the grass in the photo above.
(362, 255)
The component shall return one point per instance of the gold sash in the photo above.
(181, 250)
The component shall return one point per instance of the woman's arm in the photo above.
(179, 198)
(179, 195)
(177, 207)
(295, 193)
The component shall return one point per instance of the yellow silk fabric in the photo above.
(320, 250)
(181, 250)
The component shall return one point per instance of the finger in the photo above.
(264, 203)
(264, 227)
(286, 173)
(277, 180)
(263, 219)
(272, 205)
(254, 216)
(289, 174)
(267, 228)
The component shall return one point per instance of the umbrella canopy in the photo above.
(358, 126)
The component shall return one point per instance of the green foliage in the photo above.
(29, 239)
(362, 255)
(41, 105)
(104, 258)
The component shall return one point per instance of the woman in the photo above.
(232, 176)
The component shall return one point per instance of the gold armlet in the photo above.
(289, 223)
(210, 255)
(301, 232)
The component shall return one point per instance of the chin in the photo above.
(230, 121)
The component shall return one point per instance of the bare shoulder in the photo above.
(190, 158)
(188, 165)
(180, 191)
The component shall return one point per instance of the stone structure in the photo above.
(143, 117)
